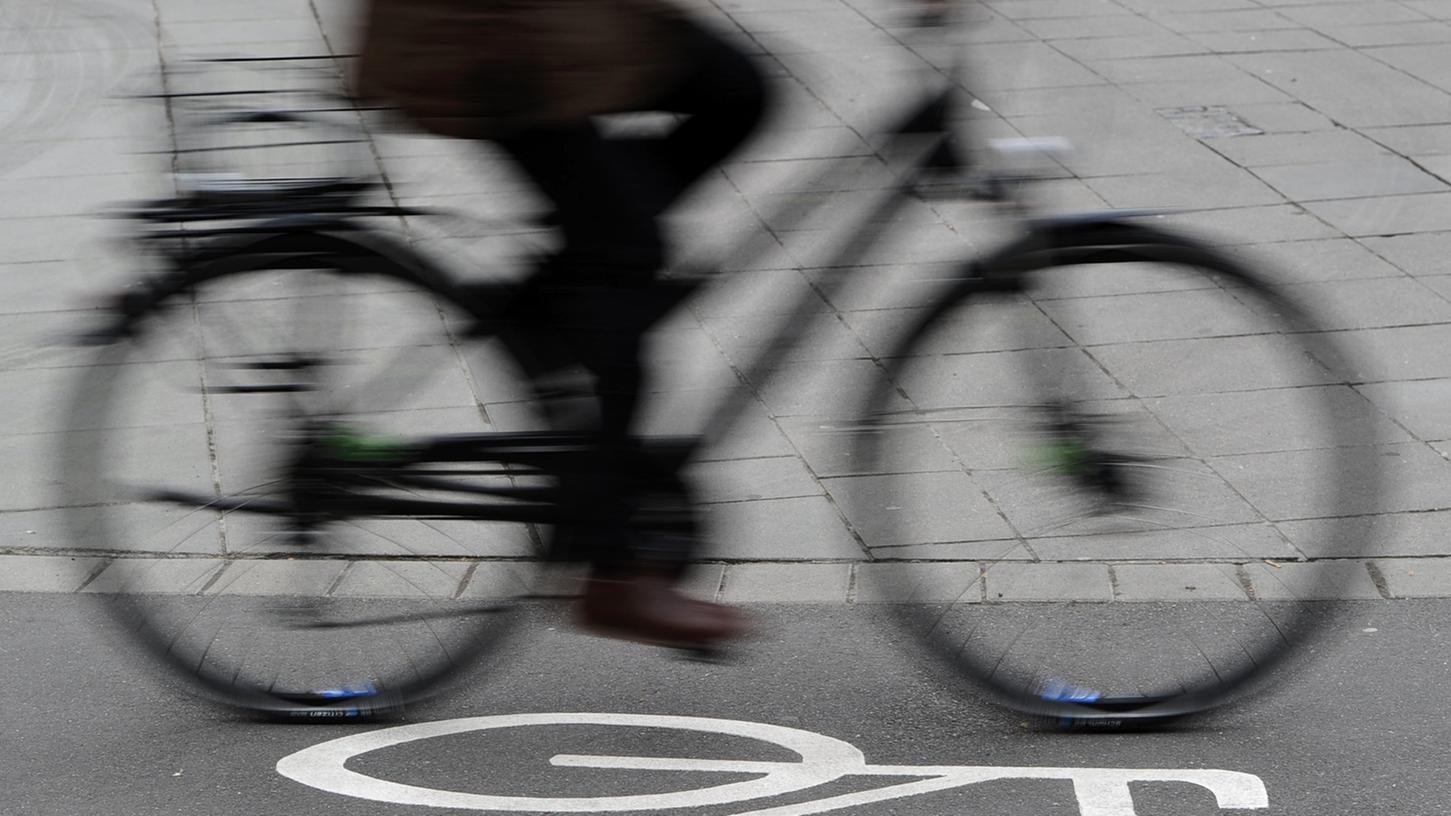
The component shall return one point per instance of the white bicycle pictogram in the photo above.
(823, 759)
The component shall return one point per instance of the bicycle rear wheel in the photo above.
(1116, 494)
(185, 466)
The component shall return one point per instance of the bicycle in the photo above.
(321, 548)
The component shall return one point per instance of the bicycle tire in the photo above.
(1168, 533)
(208, 377)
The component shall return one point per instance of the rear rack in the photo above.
(250, 132)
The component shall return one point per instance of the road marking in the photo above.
(823, 759)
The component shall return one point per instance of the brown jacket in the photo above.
(481, 68)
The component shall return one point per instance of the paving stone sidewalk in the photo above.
(1313, 138)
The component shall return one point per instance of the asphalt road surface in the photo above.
(823, 713)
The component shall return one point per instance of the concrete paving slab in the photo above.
(1417, 254)
(1416, 577)
(756, 434)
(1440, 284)
(1224, 543)
(1407, 353)
(185, 576)
(1208, 366)
(1266, 421)
(889, 286)
(1313, 147)
(975, 327)
(1374, 11)
(927, 243)
(1139, 318)
(1248, 19)
(205, 34)
(1109, 49)
(157, 408)
(803, 529)
(810, 175)
(779, 477)
(1386, 176)
(178, 11)
(745, 337)
(997, 378)
(1201, 184)
(406, 538)
(1132, 70)
(1186, 496)
(1299, 581)
(382, 579)
(1186, 6)
(66, 239)
(916, 508)
(1413, 140)
(1254, 225)
(1440, 166)
(986, 552)
(1401, 534)
(786, 583)
(1053, 101)
(1124, 279)
(1314, 260)
(1388, 33)
(1349, 87)
(765, 292)
(54, 288)
(304, 578)
(1363, 304)
(917, 583)
(502, 580)
(115, 528)
(1435, 9)
(704, 581)
(46, 573)
(821, 41)
(1426, 62)
(1411, 474)
(817, 387)
(1052, 29)
(1284, 117)
(1008, 582)
(173, 456)
(1036, 9)
(845, 449)
(1187, 582)
(1242, 90)
(1423, 407)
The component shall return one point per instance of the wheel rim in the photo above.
(205, 397)
(1146, 551)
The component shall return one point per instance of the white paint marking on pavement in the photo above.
(823, 759)
(1099, 791)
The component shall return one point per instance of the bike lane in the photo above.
(823, 713)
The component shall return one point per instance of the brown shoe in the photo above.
(647, 608)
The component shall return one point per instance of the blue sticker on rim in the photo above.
(1064, 692)
(346, 692)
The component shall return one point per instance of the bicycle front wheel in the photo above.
(1118, 492)
(202, 460)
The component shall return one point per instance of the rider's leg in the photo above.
(590, 297)
(724, 96)
(597, 291)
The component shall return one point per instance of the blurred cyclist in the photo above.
(531, 75)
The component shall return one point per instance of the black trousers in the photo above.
(608, 193)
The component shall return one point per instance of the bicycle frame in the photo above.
(325, 225)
